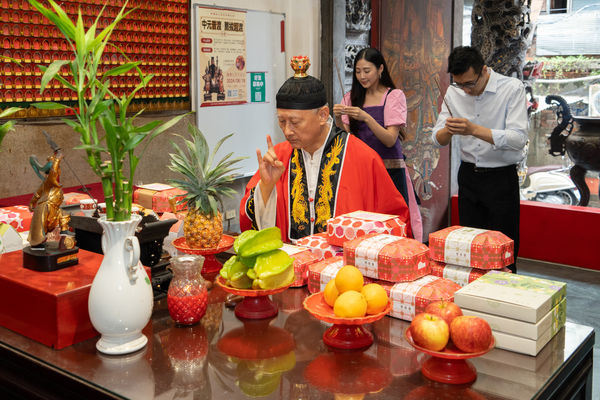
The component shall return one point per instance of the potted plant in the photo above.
(120, 300)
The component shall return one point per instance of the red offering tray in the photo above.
(256, 303)
(211, 264)
(346, 333)
(449, 365)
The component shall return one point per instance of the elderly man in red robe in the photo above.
(319, 172)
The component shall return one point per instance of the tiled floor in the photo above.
(583, 299)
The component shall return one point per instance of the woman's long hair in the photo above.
(358, 92)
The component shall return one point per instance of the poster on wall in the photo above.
(222, 56)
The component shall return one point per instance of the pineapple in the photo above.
(205, 185)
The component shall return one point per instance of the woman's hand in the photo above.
(338, 110)
(355, 113)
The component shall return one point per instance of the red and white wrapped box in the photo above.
(458, 274)
(408, 298)
(19, 217)
(471, 247)
(322, 272)
(319, 246)
(359, 223)
(411, 298)
(388, 257)
(302, 259)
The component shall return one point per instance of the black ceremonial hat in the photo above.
(302, 91)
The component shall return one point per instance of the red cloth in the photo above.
(364, 185)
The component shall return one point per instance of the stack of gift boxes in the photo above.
(377, 245)
(524, 312)
(412, 274)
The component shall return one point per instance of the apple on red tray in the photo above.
(430, 331)
(447, 310)
(470, 334)
(443, 321)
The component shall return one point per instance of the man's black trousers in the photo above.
(488, 198)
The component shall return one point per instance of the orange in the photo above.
(350, 304)
(377, 298)
(349, 278)
(330, 294)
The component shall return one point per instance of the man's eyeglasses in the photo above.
(467, 85)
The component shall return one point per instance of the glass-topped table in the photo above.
(281, 358)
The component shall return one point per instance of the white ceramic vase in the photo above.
(120, 302)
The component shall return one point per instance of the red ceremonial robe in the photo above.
(351, 177)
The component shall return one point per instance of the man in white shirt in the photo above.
(488, 113)
(319, 172)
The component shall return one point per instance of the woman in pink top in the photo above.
(375, 111)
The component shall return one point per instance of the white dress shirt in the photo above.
(266, 213)
(501, 107)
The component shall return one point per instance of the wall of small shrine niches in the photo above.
(156, 33)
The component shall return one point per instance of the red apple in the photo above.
(445, 309)
(471, 334)
(429, 331)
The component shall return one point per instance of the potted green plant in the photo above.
(120, 300)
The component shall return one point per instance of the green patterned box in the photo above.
(519, 297)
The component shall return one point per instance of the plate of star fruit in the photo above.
(259, 263)
(443, 331)
(347, 300)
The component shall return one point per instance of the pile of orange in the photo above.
(350, 297)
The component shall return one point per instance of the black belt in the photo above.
(475, 168)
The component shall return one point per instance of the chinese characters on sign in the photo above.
(257, 87)
(222, 56)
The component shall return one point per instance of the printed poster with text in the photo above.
(222, 39)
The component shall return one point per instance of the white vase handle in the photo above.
(132, 246)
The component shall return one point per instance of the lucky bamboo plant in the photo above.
(97, 106)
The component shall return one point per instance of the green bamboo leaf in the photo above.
(5, 128)
(122, 69)
(60, 19)
(147, 127)
(8, 111)
(51, 72)
(134, 141)
(50, 105)
(92, 147)
(80, 35)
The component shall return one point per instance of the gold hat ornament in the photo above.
(300, 65)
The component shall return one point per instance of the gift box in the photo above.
(180, 217)
(458, 274)
(471, 247)
(550, 354)
(388, 257)
(74, 198)
(303, 258)
(522, 345)
(159, 197)
(319, 246)
(322, 272)
(411, 298)
(408, 298)
(48, 307)
(19, 217)
(552, 321)
(359, 223)
(519, 297)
